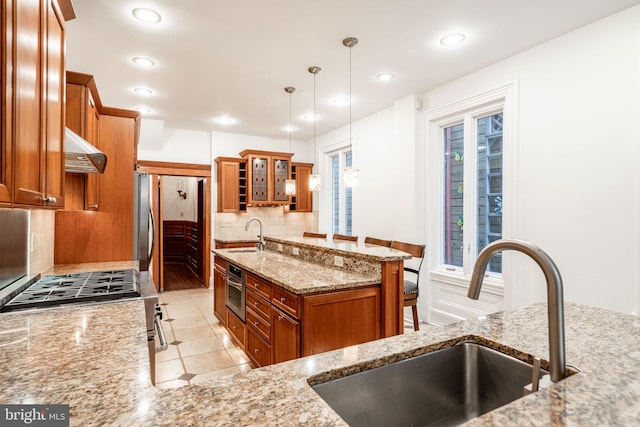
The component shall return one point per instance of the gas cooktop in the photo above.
(77, 288)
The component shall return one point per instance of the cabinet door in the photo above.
(304, 196)
(5, 105)
(281, 172)
(29, 170)
(259, 178)
(285, 337)
(92, 135)
(219, 289)
(54, 104)
(228, 191)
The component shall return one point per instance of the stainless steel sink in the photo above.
(444, 388)
(242, 250)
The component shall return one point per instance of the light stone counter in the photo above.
(297, 275)
(95, 359)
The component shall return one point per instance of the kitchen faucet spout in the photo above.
(260, 245)
(555, 304)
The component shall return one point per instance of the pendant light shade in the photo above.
(315, 181)
(350, 173)
(290, 184)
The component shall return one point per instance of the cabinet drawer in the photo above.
(258, 305)
(286, 301)
(220, 262)
(258, 350)
(259, 286)
(236, 328)
(261, 325)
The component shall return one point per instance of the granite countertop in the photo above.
(296, 275)
(95, 359)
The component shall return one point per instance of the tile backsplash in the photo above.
(275, 222)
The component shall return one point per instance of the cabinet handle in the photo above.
(257, 350)
(94, 206)
(282, 299)
(234, 327)
(256, 303)
(50, 200)
(280, 317)
(256, 323)
(257, 285)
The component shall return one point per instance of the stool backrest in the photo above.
(317, 235)
(377, 242)
(345, 237)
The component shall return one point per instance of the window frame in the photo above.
(340, 149)
(500, 99)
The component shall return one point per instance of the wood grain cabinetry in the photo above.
(236, 328)
(281, 325)
(83, 118)
(266, 175)
(237, 244)
(181, 244)
(303, 200)
(232, 184)
(219, 288)
(32, 171)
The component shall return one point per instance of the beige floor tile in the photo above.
(227, 341)
(218, 329)
(169, 370)
(208, 362)
(245, 367)
(172, 384)
(194, 333)
(188, 322)
(182, 309)
(213, 375)
(200, 346)
(169, 354)
(238, 356)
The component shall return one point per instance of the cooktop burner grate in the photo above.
(77, 288)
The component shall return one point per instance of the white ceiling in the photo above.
(234, 57)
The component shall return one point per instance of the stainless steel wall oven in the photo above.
(236, 290)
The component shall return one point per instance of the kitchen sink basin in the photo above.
(235, 251)
(444, 388)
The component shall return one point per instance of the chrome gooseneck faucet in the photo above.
(555, 304)
(260, 244)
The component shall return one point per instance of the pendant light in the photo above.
(350, 172)
(314, 179)
(290, 184)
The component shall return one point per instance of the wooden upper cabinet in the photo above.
(37, 94)
(6, 171)
(83, 118)
(232, 184)
(303, 200)
(266, 175)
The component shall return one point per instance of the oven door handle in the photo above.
(158, 325)
(236, 285)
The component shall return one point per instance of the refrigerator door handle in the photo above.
(153, 233)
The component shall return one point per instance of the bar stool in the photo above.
(378, 242)
(345, 237)
(411, 285)
(317, 235)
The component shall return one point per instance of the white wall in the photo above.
(162, 144)
(174, 207)
(578, 159)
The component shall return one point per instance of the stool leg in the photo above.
(414, 310)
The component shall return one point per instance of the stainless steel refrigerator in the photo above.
(143, 221)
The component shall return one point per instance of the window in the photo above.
(472, 218)
(341, 196)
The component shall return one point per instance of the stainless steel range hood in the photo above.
(81, 156)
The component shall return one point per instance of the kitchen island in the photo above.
(95, 359)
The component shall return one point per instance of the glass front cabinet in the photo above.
(266, 175)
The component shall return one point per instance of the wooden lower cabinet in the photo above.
(220, 289)
(281, 325)
(285, 337)
(236, 327)
(339, 319)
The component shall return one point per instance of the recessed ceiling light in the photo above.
(224, 120)
(146, 15)
(143, 110)
(452, 39)
(143, 91)
(309, 117)
(144, 61)
(385, 77)
(288, 128)
(341, 100)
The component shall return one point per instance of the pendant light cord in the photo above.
(314, 118)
